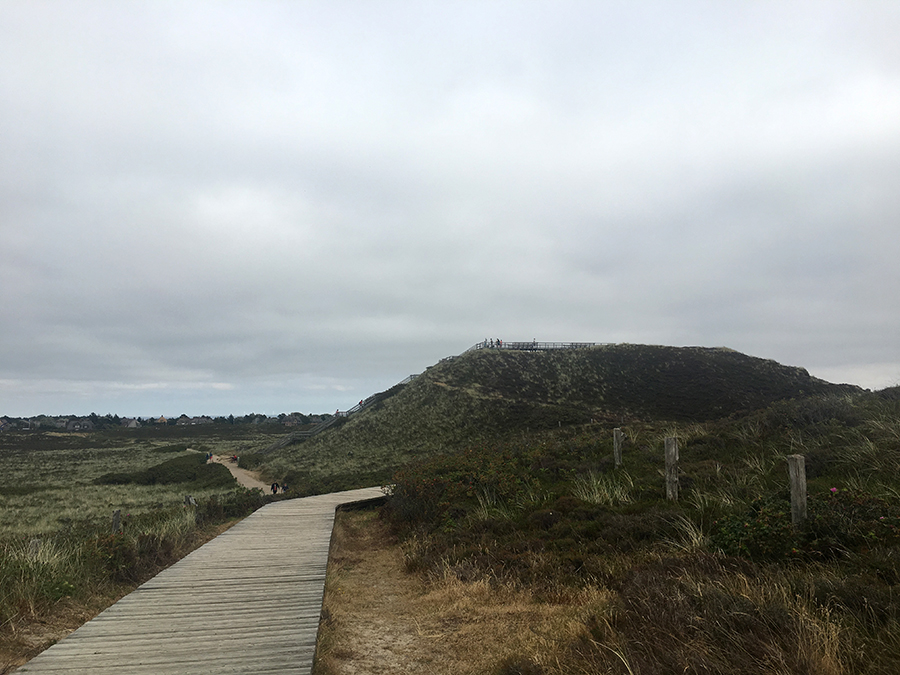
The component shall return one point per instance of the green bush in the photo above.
(839, 522)
(763, 532)
(191, 468)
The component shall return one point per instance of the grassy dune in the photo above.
(506, 488)
(489, 394)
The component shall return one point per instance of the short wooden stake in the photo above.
(618, 437)
(672, 468)
(117, 521)
(797, 473)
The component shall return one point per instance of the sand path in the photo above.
(249, 479)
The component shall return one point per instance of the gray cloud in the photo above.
(212, 208)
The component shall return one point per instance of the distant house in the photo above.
(129, 423)
(161, 420)
(4, 424)
(81, 424)
(184, 420)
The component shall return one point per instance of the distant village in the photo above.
(96, 422)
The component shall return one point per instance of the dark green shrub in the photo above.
(177, 447)
(839, 522)
(846, 521)
(764, 532)
(116, 554)
(191, 468)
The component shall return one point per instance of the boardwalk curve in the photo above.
(246, 602)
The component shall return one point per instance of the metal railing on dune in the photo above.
(533, 346)
(338, 414)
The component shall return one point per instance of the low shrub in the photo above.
(191, 468)
(839, 523)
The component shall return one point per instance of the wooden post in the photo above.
(117, 521)
(672, 468)
(618, 437)
(797, 473)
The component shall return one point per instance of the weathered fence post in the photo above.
(117, 521)
(672, 468)
(618, 437)
(797, 473)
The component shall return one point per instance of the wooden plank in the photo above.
(249, 601)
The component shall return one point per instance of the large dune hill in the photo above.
(490, 392)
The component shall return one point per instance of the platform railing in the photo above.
(533, 346)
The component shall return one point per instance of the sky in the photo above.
(229, 207)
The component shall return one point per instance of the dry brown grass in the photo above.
(380, 619)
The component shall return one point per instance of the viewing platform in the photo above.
(533, 346)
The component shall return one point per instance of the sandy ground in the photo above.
(379, 619)
(249, 479)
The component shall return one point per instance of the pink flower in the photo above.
(833, 490)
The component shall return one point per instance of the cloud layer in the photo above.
(231, 207)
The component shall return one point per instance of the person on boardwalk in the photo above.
(274, 488)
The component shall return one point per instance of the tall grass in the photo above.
(36, 572)
(605, 489)
(56, 541)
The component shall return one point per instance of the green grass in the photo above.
(58, 492)
(53, 481)
(88, 559)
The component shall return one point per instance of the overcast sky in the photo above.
(226, 207)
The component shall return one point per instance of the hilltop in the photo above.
(493, 392)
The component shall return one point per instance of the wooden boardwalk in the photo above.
(246, 602)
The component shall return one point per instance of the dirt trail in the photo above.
(249, 479)
(381, 620)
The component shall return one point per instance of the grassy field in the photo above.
(60, 561)
(49, 480)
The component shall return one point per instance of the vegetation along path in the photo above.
(247, 602)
